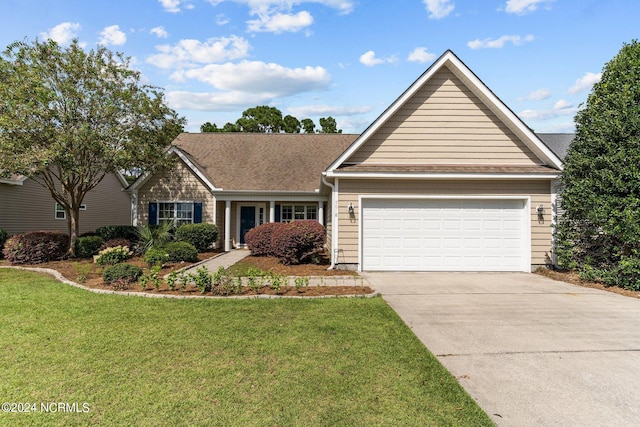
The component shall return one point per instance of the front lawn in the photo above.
(143, 361)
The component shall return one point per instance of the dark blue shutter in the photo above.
(277, 213)
(197, 213)
(153, 213)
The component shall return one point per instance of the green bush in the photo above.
(202, 236)
(121, 275)
(180, 251)
(149, 236)
(156, 256)
(3, 238)
(111, 256)
(36, 247)
(109, 232)
(88, 246)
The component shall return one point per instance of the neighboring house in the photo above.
(25, 205)
(448, 178)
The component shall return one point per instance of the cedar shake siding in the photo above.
(538, 190)
(444, 123)
(30, 207)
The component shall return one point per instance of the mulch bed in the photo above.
(72, 269)
(574, 278)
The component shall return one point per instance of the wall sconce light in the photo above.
(350, 208)
(540, 210)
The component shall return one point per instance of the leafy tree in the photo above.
(308, 125)
(599, 233)
(291, 124)
(69, 117)
(329, 125)
(209, 127)
(231, 127)
(262, 119)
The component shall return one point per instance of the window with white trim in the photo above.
(176, 212)
(290, 213)
(60, 213)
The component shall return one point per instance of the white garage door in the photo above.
(444, 235)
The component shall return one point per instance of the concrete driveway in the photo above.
(530, 350)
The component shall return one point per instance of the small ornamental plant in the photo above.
(112, 256)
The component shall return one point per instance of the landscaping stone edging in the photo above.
(61, 278)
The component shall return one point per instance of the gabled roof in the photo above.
(455, 65)
(13, 179)
(557, 142)
(262, 162)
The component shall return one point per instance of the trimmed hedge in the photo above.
(122, 274)
(258, 239)
(109, 232)
(292, 243)
(156, 256)
(36, 247)
(202, 235)
(88, 246)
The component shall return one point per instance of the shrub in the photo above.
(180, 251)
(156, 256)
(88, 246)
(149, 236)
(258, 239)
(121, 275)
(112, 243)
(202, 236)
(298, 242)
(111, 256)
(109, 232)
(36, 247)
(3, 238)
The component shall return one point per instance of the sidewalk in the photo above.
(225, 260)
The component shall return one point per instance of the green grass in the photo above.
(143, 361)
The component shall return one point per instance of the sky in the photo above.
(349, 59)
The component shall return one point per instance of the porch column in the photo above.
(272, 211)
(227, 225)
(321, 213)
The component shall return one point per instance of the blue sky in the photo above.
(349, 59)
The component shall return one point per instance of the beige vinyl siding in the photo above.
(539, 191)
(30, 207)
(328, 225)
(444, 123)
(180, 184)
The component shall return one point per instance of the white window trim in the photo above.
(175, 212)
(56, 211)
(313, 206)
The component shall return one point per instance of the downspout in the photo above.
(333, 223)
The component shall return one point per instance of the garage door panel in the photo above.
(443, 235)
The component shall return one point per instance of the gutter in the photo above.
(333, 226)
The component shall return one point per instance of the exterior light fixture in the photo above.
(350, 208)
(540, 210)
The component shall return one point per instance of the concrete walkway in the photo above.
(225, 260)
(530, 350)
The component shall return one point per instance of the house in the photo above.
(28, 206)
(448, 178)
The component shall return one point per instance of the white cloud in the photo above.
(221, 19)
(188, 52)
(62, 33)
(159, 32)
(327, 110)
(369, 59)
(585, 83)
(539, 95)
(439, 8)
(562, 105)
(172, 6)
(112, 36)
(561, 108)
(500, 42)
(281, 22)
(420, 54)
(259, 78)
(215, 101)
(522, 7)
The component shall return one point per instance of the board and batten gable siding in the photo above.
(444, 123)
(177, 185)
(30, 207)
(351, 189)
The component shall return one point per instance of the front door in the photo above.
(247, 220)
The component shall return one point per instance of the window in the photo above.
(290, 213)
(176, 212)
(60, 212)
